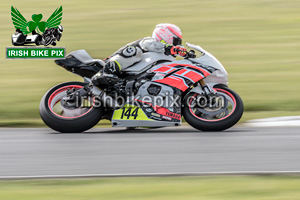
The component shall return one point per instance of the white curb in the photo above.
(275, 122)
(153, 175)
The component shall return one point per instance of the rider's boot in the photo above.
(108, 75)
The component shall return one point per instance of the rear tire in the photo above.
(68, 124)
(215, 124)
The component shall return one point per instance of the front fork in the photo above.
(205, 88)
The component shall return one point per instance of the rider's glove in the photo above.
(176, 50)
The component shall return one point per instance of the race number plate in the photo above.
(129, 112)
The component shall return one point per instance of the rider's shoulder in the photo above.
(150, 44)
(148, 38)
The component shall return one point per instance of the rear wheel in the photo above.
(219, 113)
(65, 117)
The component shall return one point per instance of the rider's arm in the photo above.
(151, 45)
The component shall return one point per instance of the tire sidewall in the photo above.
(65, 125)
(215, 125)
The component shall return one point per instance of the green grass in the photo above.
(258, 42)
(187, 188)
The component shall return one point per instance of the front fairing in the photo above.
(220, 75)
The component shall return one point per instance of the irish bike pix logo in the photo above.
(36, 32)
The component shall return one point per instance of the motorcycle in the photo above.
(19, 39)
(51, 35)
(156, 92)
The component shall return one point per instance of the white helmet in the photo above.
(167, 33)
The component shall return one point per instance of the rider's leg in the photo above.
(116, 64)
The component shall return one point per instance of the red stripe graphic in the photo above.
(174, 82)
(206, 73)
(193, 76)
(163, 111)
(178, 34)
(181, 71)
(166, 112)
(162, 69)
(159, 38)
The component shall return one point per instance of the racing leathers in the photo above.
(131, 54)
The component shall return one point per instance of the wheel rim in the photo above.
(55, 106)
(217, 114)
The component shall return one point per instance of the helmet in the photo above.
(167, 33)
(60, 28)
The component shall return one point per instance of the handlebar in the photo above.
(190, 54)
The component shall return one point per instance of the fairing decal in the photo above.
(165, 113)
(182, 76)
(174, 81)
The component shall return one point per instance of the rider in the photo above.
(166, 38)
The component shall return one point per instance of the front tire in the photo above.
(218, 119)
(68, 120)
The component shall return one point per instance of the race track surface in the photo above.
(43, 152)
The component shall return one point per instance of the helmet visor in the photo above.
(176, 41)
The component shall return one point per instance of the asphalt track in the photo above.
(178, 150)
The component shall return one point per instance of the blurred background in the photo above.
(257, 41)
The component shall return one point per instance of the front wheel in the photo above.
(47, 40)
(68, 118)
(220, 112)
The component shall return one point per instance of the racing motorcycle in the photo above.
(156, 92)
(51, 35)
